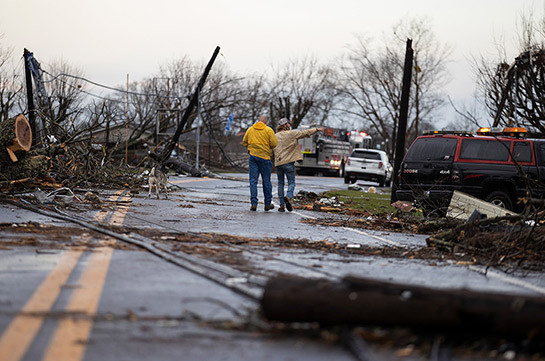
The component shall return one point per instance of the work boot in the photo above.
(253, 207)
(281, 209)
(288, 204)
(268, 207)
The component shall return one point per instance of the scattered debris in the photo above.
(186, 205)
(331, 202)
(91, 197)
(305, 195)
(403, 206)
(45, 236)
(463, 205)
(502, 241)
(62, 196)
(356, 187)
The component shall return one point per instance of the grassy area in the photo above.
(371, 202)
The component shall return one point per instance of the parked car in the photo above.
(369, 165)
(498, 167)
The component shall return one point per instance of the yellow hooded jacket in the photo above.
(260, 139)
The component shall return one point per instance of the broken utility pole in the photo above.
(371, 302)
(165, 155)
(403, 115)
(30, 93)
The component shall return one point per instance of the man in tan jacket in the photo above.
(285, 154)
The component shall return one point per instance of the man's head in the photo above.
(283, 124)
(263, 119)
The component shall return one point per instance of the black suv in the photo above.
(497, 168)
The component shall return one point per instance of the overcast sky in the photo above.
(108, 39)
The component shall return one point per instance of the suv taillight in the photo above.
(380, 164)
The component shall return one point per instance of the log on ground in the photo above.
(27, 167)
(371, 302)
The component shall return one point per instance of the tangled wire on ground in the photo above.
(510, 242)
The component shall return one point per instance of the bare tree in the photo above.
(224, 93)
(255, 99)
(370, 81)
(10, 84)
(303, 89)
(371, 89)
(513, 90)
(65, 101)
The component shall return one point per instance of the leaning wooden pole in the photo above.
(165, 155)
(403, 115)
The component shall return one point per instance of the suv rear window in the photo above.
(365, 155)
(522, 152)
(484, 149)
(429, 149)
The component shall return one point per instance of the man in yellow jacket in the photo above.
(286, 154)
(260, 140)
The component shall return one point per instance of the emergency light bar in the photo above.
(439, 132)
(507, 131)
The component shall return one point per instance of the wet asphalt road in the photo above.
(149, 309)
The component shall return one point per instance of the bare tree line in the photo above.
(513, 90)
(358, 90)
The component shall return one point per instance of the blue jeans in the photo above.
(264, 167)
(289, 171)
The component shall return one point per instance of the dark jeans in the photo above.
(264, 167)
(287, 170)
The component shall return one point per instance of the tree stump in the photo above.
(15, 136)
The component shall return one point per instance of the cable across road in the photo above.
(245, 284)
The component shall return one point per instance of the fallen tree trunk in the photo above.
(15, 136)
(27, 167)
(371, 302)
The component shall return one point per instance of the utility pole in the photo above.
(30, 98)
(403, 115)
(127, 126)
(192, 103)
(198, 135)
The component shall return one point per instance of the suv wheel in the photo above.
(500, 199)
(346, 179)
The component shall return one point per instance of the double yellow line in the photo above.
(72, 333)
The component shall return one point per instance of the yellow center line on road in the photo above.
(70, 339)
(19, 335)
(22, 330)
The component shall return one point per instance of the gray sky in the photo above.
(107, 39)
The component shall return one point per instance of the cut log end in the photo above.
(23, 133)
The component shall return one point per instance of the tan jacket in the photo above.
(287, 150)
(259, 139)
